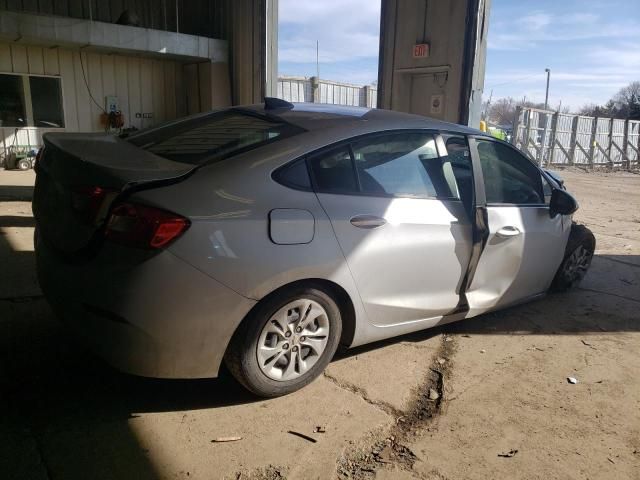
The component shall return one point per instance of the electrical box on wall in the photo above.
(111, 103)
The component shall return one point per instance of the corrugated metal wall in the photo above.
(207, 18)
(142, 85)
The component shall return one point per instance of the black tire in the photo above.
(24, 164)
(241, 357)
(577, 259)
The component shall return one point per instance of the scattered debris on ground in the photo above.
(387, 449)
(271, 472)
(572, 380)
(433, 394)
(225, 439)
(509, 454)
(302, 435)
(319, 429)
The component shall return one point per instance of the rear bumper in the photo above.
(150, 316)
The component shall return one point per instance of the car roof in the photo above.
(315, 116)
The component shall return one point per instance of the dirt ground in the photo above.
(482, 398)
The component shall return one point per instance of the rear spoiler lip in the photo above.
(76, 145)
(116, 178)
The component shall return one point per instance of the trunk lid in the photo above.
(80, 175)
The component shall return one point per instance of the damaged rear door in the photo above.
(522, 244)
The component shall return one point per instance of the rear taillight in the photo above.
(142, 226)
(92, 203)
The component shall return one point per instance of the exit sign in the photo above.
(421, 50)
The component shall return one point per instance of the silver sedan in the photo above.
(267, 236)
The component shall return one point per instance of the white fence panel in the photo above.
(563, 132)
(583, 139)
(602, 141)
(300, 89)
(633, 142)
(554, 138)
(616, 148)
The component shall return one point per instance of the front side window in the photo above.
(547, 190)
(459, 157)
(509, 178)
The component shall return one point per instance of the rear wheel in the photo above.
(24, 164)
(286, 342)
(577, 259)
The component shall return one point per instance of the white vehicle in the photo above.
(266, 236)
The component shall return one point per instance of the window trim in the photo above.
(480, 174)
(28, 105)
(348, 143)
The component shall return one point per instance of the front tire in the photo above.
(286, 342)
(577, 259)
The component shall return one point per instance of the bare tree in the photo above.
(624, 104)
(503, 110)
(625, 98)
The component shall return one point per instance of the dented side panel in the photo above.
(519, 265)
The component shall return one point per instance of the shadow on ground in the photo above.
(16, 193)
(62, 404)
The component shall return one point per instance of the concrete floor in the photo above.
(66, 415)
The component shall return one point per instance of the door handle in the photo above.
(509, 231)
(367, 221)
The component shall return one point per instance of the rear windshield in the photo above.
(213, 137)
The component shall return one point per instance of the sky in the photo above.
(591, 46)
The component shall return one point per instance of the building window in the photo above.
(46, 100)
(30, 101)
(12, 102)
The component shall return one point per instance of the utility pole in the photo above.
(318, 59)
(546, 98)
(486, 110)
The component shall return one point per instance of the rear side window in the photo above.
(333, 171)
(295, 175)
(404, 164)
(212, 137)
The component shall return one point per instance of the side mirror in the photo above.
(556, 176)
(562, 202)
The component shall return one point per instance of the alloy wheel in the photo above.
(293, 340)
(577, 264)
